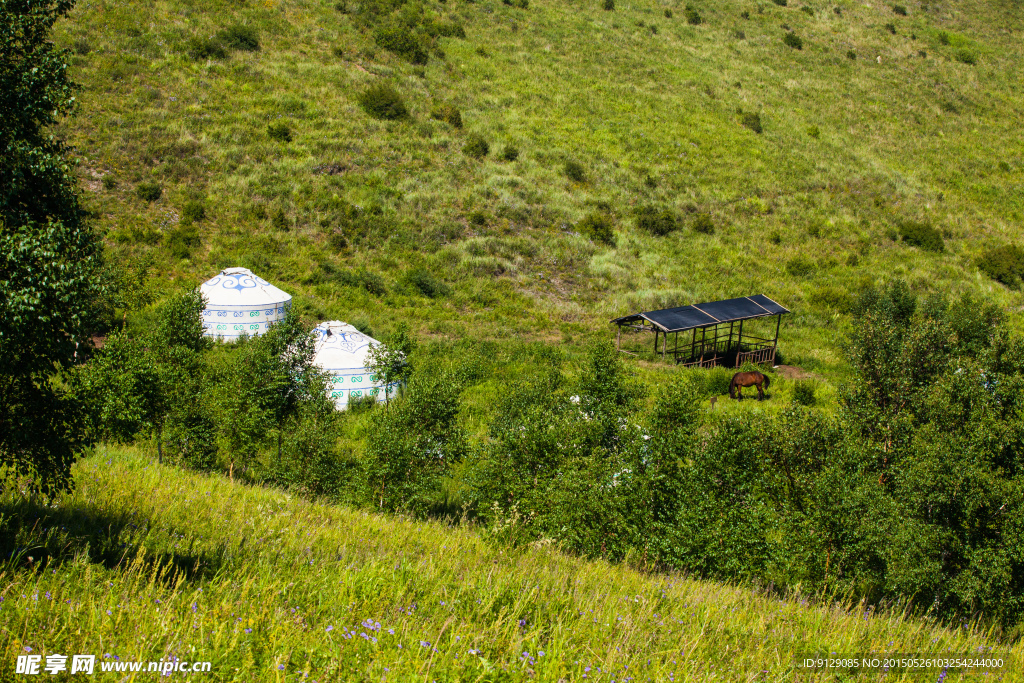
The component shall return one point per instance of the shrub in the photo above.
(1004, 264)
(400, 40)
(206, 48)
(193, 212)
(814, 131)
(800, 266)
(476, 146)
(703, 224)
(448, 113)
(426, 284)
(574, 171)
(279, 130)
(280, 221)
(807, 10)
(965, 56)
(239, 37)
(383, 102)
(891, 28)
(182, 240)
(850, 54)
(943, 38)
(739, 35)
(609, 5)
(751, 120)
(780, 3)
(341, 7)
(668, 14)
(745, 14)
(448, 29)
(656, 221)
(900, 10)
(653, 29)
(109, 182)
(597, 227)
(921, 235)
(693, 17)
(793, 40)
(148, 192)
(478, 218)
(510, 153)
(803, 392)
(775, 238)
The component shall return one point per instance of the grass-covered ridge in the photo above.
(150, 562)
(864, 129)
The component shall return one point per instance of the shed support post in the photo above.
(739, 345)
(618, 339)
(775, 344)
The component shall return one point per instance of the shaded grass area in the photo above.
(301, 590)
(650, 118)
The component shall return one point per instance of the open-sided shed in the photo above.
(716, 331)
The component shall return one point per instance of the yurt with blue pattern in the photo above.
(341, 350)
(238, 302)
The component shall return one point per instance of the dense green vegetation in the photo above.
(148, 561)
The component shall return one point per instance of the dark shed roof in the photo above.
(702, 315)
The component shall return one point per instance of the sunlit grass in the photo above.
(149, 562)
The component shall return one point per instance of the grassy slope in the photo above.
(901, 136)
(269, 575)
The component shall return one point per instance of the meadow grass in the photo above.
(147, 562)
(651, 118)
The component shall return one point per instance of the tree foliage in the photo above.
(49, 256)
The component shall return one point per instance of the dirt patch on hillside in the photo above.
(793, 372)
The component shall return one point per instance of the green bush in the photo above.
(703, 224)
(478, 218)
(182, 240)
(206, 48)
(598, 227)
(751, 120)
(800, 266)
(900, 10)
(891, 28)
(668, 14)
(426, 284)
(609, 5)
(803, 392)
(793, 40)
(239, 37)
(193, 212)
(109, 182)
(574, 171)
(280, 221)
(402, 41)
(814, 131)
(693, 17)
(850, 54)
(780, 3)
(448, 113)
(807, 10)
(279, 130)
(383, 102)
(447, 29)
(1004, 264)
(510, 153)
(658, 222)
(149, 192)
(965, 56)
(921, 235)
(739, 35)
(943, 38)
(476, 146)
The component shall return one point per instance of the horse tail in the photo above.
(767, 380)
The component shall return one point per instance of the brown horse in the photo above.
(747, 379)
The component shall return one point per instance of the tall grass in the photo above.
(150, 562)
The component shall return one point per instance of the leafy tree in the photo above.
(389, 361)
(48, 254)
(272, 376)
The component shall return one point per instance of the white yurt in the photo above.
(341, 350)
(238, 302)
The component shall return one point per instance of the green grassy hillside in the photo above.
(145, 562)
(880, 119)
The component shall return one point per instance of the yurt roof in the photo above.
(240, 287)
(341, 346)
